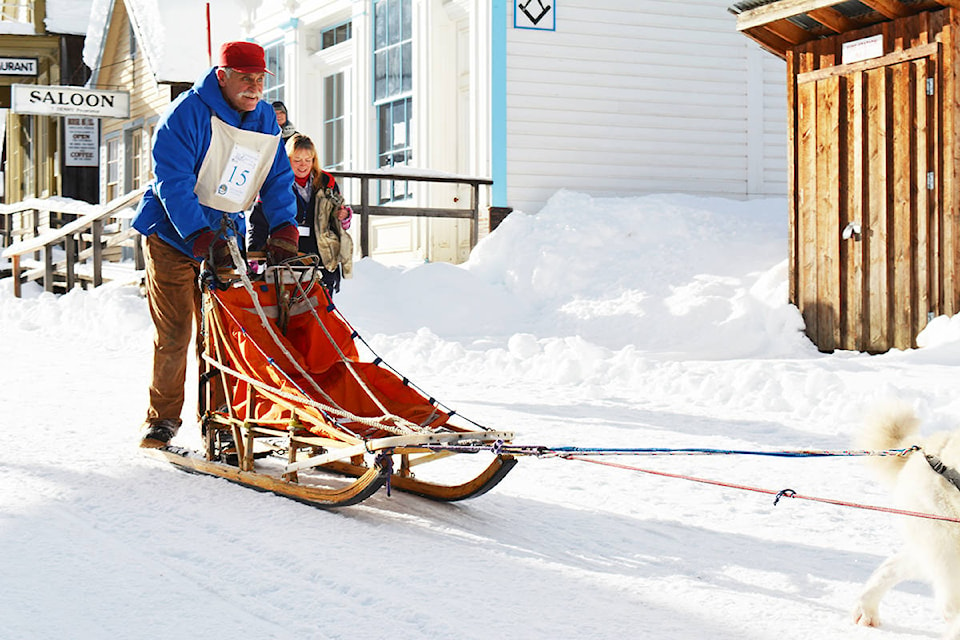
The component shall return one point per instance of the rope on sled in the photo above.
(403, 426)
(348, 364)
(238, 262)
(784, 493)
(307, 400)
(378, 360)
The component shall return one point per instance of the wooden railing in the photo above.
(365, 209)
(81, 242)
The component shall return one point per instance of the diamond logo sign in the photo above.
(535, 14)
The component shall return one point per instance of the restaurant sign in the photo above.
(18, 66)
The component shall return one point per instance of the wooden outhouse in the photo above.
(874, 155)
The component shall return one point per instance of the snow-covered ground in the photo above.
(658, 321)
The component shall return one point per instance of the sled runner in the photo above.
(295, 403)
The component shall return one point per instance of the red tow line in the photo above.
(784, 493)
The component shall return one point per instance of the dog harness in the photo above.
(949, 473)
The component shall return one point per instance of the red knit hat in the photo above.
(245, 57)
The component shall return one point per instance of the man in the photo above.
(215, 149)
(287, 128)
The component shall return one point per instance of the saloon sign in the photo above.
(69, 101)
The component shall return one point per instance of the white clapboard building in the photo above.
(606, 97)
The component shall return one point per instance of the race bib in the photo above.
(235, 166)
(237, 177)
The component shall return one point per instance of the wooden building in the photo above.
(874, 154)
(153, 51)
(40, 45)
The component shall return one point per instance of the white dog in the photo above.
(932, 549)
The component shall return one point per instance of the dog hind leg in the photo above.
(953, 631)
(894, 570)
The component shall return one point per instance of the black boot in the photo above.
(158, 433)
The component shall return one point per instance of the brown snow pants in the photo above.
(173, 296)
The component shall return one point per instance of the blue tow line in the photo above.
(544, 451)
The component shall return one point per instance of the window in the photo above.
(335, 35)
(113, 169)
(274, 85)
(333, 121)
(393, 83)
(17, 11)
(393, 48)
(148, 151)
(134, 143)
(394, 142)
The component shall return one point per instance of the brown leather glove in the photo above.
(207, 246)
(283, 243)
(201, 244)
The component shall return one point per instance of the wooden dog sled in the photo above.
(290, 406)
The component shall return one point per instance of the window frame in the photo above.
(392, 78)
(334, 120)
(112, 152)
(339, 33)
(274, 86)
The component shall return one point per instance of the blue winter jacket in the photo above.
(170, 207)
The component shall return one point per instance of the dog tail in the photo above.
(892, 425)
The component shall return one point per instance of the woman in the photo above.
(322, 218)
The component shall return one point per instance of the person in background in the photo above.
(322, 218)
(215, 149)
(286, 127)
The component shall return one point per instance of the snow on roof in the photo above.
(13, 27)
(68, 16)
(171, 33)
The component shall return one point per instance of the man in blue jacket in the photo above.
(214, 151)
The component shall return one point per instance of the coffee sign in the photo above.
(82, 136)
(69, 101)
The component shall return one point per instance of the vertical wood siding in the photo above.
(875, 145)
